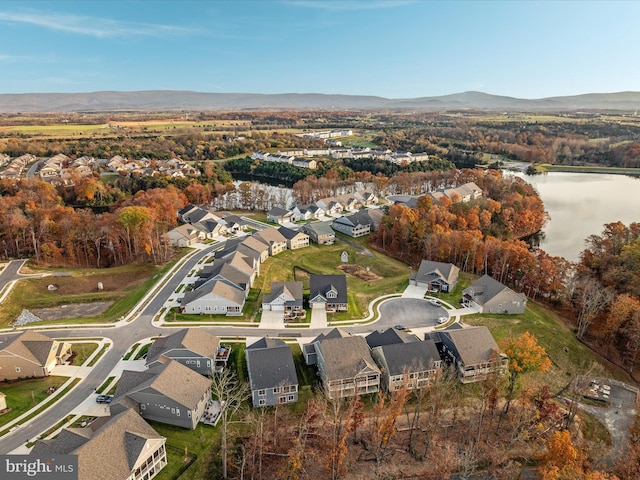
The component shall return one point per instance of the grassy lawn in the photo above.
(130, 352)
(99, 355)
(199, 443)
(124, 286)
(568, 356)
(142, 352)
(106, 383)
(26, 394)
(83, 351)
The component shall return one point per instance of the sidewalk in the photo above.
(73, 373)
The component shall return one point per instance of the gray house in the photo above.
(487, 295)
(272, 373)
(344, 363)
(167, 392)
(355, 225)
(328, 292)
(193, 348)
(286, 297)
(413, 363)
(121, 447)
(320, 232)
(435, 276)
(473, 352)
(389, 336)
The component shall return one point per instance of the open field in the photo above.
(124, 286)
(61, 130)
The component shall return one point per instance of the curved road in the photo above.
(416, 313)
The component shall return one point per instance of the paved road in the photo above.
(141, 327)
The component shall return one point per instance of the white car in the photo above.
(442, 320)
(435, 303)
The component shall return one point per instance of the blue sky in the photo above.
(389, 48)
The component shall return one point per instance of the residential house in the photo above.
(185, 212)
(258, 246)
(184, 235)
(464, 193)
(320, 232)
(316, 152)
(285, 297)
(279, 215)
(488, 295)
(356, 225)
(473, 352)
(366, 197)
(295, 238)
(328, 292)
(273, 238)
(436, 276)
(389, 336)
(167, 392)
(344, 364)
(31, 354)
(280, 158)
(260, 155)
(214, 297)
(236, 270)
(121, 447)
(413, 364)
(291, 152)
(196, 349)
(272, 373)
(235, 223)
(330, 206)
(305, 163)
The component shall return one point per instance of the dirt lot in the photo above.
(358, 271)
(75, 310)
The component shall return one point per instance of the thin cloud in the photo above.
(341, 6)
(92, 26)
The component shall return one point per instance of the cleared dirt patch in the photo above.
(358, 271)
(75, 310)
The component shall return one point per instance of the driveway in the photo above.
(318, 318)
(413, 291)
(272, 319)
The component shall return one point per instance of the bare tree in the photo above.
(230, 393)
(591, 299)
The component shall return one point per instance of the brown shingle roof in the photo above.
(346, 357)
(110, 452)
(196, 340)
(31, 345)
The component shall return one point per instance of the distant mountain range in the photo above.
(154, 100)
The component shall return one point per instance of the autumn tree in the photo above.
(525, 356)
(591, 298)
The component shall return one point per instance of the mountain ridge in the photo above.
(156, 100)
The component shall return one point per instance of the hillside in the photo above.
(186, 100)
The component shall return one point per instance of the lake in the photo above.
(580, 204)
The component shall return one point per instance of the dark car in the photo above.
(104, 399)
(400, 327)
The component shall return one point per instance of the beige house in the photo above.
(31, 354)
(122, 447)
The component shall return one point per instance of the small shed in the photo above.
(344, 257)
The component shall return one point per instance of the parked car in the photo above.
(104, 399)
(435, 303)
(442, 320)
(400, 327)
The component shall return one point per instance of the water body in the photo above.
(580, 204)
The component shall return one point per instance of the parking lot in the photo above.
(414, 312)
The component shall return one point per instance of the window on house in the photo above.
(262, 393)
(276, 390)
(17, 369)
(262, 402)
(282, 399)
(177, 412)
(143, 406)
(291, 398)
(173, 411)
(189, 413)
